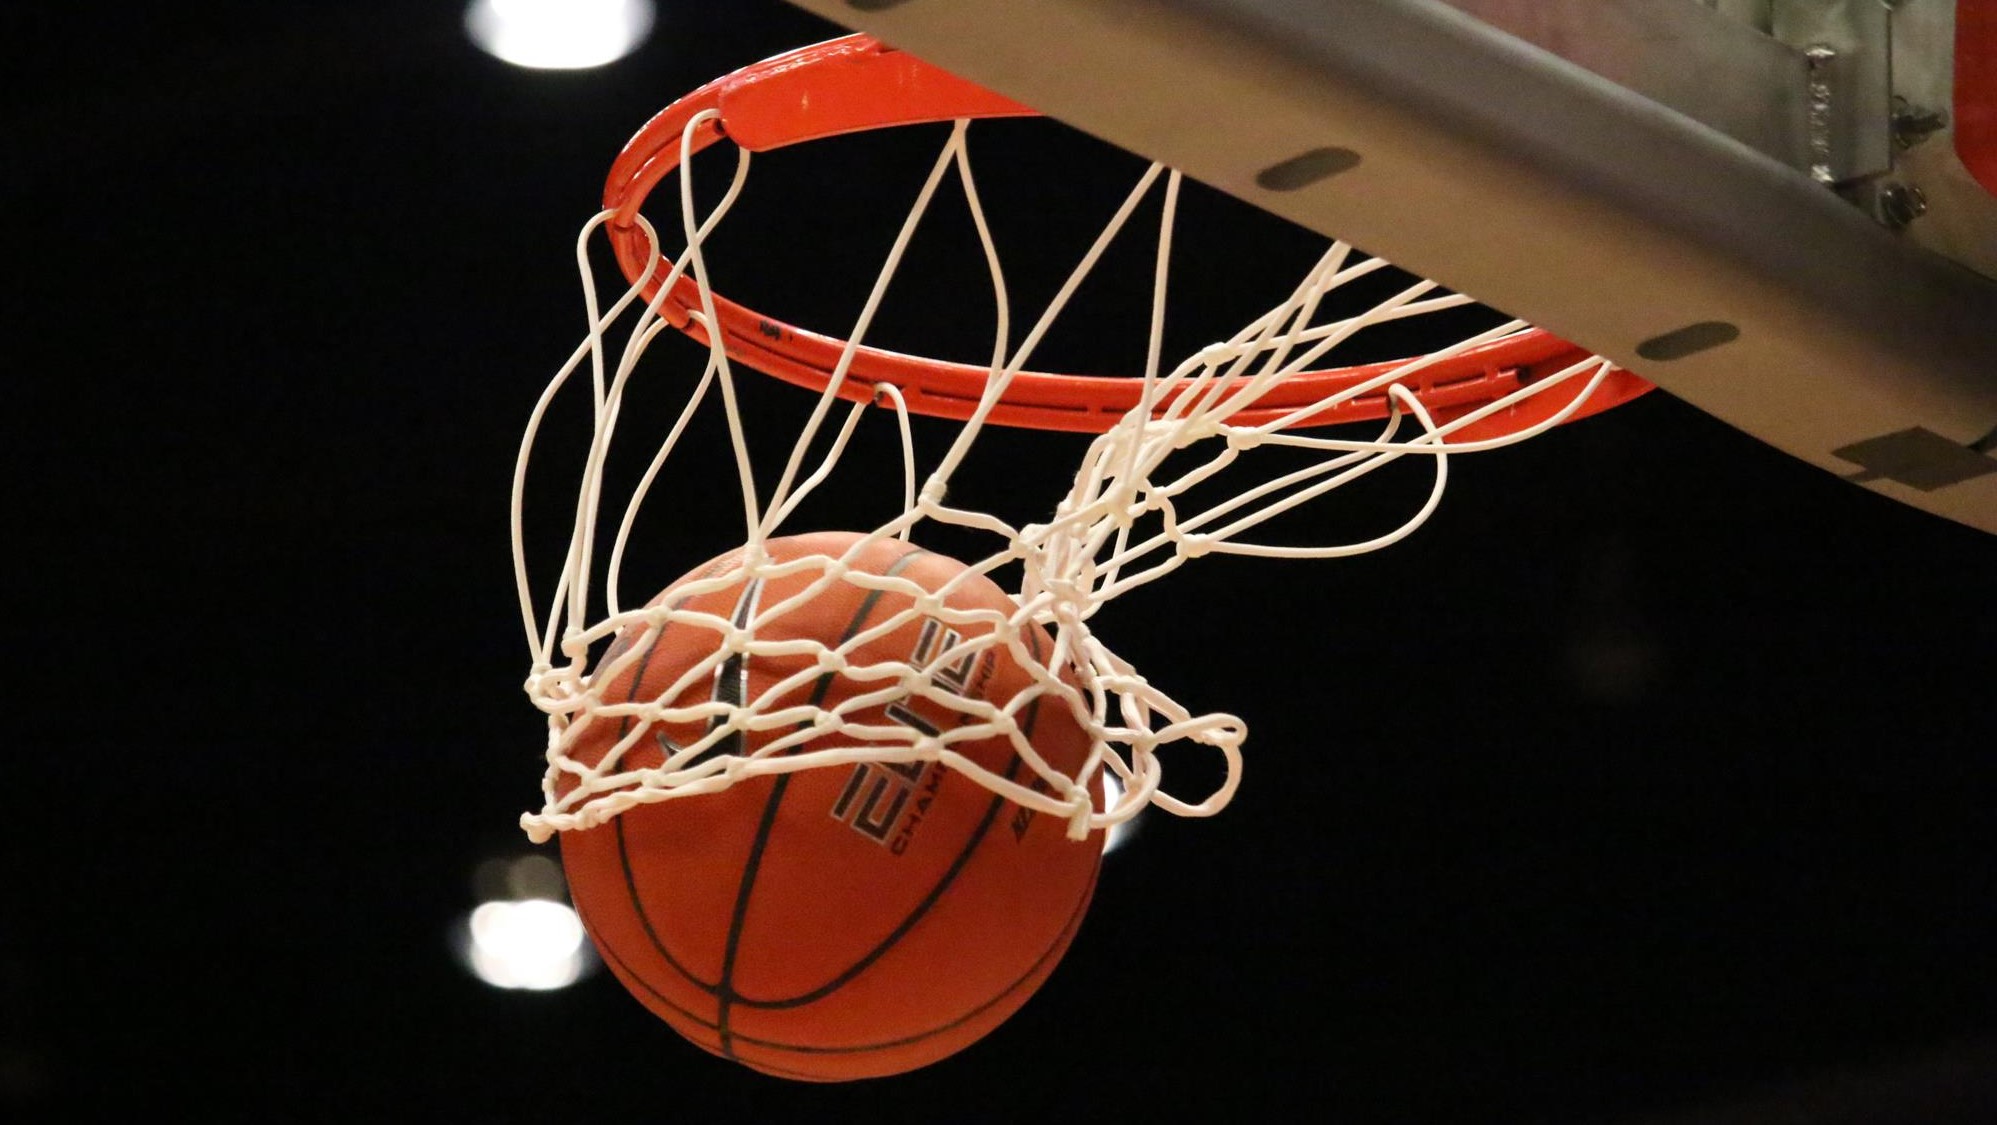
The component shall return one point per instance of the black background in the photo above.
(1652, 777)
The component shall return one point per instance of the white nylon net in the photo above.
(1127, 521)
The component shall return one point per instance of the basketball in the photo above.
(836, 922)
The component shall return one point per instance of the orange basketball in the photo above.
(838, 922)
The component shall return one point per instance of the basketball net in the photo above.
(1127, 520)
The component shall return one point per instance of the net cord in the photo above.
(1118, 528)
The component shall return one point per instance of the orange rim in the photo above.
(855, 83)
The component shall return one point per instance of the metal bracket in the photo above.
(1849, 45)
(1711, 61)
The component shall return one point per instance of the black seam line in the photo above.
(726, 989)
(623, 851)
(630, 974)
(645, 919)
(935, 893)
(1060, 942)
(603, 946)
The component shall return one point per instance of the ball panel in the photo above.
(868, 849)
(939, 1038)
(843, 892)
(668, 883)
(692, 1011)
(1004, 908)
(873, 1056)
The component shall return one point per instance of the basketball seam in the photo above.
(623, 852)
(936, 892)
(725, 994)
(603, 946)
(720, 988)
(908, 923)
(631, 975)
(1061, 940)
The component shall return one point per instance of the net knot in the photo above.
(553, 689)
(538, 830)
(1080, 809)
(537, 679)
(1069, 600)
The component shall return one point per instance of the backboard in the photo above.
(1753, 203)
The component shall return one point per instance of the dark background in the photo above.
(1651, 778)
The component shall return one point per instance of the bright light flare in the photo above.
(1118, 834)
(559, 34)
(535, 944)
